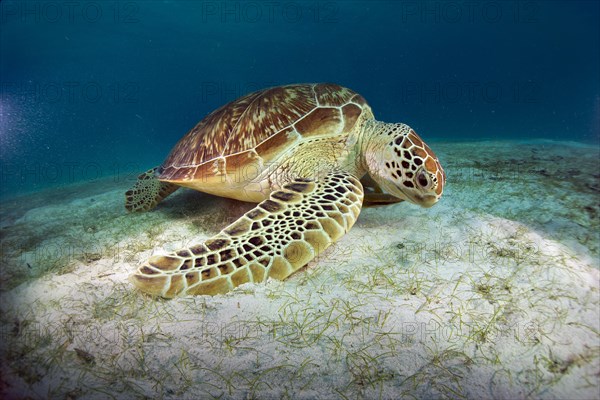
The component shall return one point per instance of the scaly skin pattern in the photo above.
(147, 192)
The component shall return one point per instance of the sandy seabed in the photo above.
(491, 294)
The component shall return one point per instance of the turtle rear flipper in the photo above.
(147, 192)
(275, 239)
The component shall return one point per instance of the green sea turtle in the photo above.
(299, 151)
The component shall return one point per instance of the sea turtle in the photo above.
(299, 151)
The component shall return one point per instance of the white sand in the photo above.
(493, 293)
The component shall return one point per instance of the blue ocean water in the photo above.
(91, 89)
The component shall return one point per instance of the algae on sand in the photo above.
(492, 293)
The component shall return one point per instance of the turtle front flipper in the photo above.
(275, 239)
(379, 199)
(147, 192)
(374, 195)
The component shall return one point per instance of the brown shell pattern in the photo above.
(261, 122)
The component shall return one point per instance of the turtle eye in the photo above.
(423, 179)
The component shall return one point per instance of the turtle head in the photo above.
(403, 165)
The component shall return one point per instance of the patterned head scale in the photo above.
(412, 168)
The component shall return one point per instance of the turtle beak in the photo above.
(427, 200)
